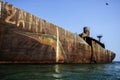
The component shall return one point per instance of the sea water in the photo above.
(109, 71)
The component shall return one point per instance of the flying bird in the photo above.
(106, 3)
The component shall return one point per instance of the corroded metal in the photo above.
(25, 38)
(0, 8)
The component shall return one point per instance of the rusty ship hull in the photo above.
(25, 38)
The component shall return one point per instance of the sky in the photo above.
(73, 15)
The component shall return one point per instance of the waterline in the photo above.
(60, 71)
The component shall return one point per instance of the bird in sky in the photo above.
(106, 3)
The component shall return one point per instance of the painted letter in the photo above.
(10, 13)
(21, 19)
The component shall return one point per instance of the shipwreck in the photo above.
(25, 38)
